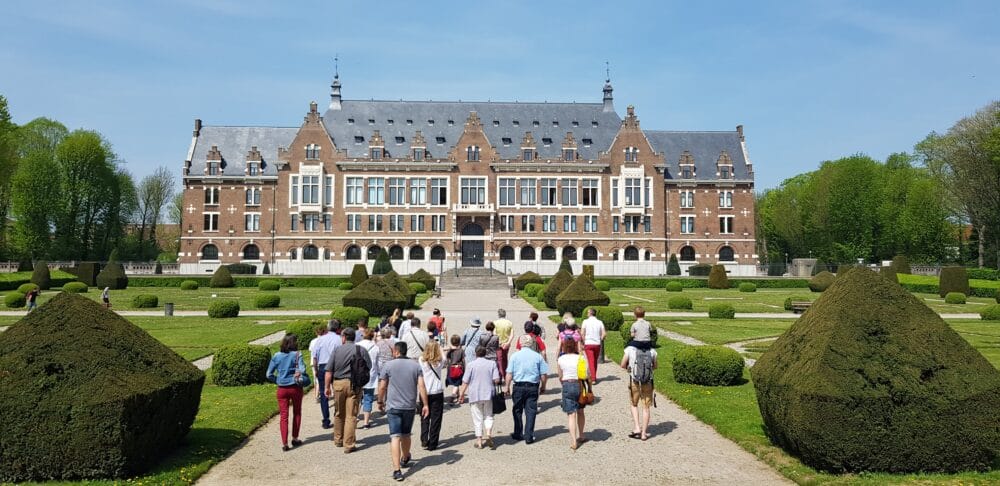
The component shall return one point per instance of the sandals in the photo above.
(489, 443)
(635, 435)
(477, 445)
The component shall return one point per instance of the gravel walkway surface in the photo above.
(680, 450)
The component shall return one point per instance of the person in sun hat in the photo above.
(471, 337)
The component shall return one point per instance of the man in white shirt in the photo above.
(415, 338)
(593, 337)
(404, 327)
(321, 349)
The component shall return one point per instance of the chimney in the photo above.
(739, 131)
(197, 127)
(609, 105)
(335, 93)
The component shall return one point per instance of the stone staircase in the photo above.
(472, 278)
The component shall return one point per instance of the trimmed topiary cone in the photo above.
(40, 276)
(673, 267)
(579, 295)
(871, 379)
(559, 282)
(222, 279)
(566, 265)
(953, 279)
(359, 274)
(717, 278)
(383, 264)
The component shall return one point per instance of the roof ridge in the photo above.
(245, 126)
(490, 102)
(690, 131)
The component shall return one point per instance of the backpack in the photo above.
(361, 368)
(642, 369)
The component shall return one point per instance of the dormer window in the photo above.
(409, 121)
(451, 123)
(569, 154)
(390, 121)
(687, 172)
(505, 140)
(529, 154)
(576, 123)
(253, 168)
(593, 123)
(350, 121)
(516, 123)
(534, 123)
(631, 154)
(439, 140)
(430, 122)
(496, 123)
(588, 142)
(376, 153)
(419, 153)
(312, 152)
(400, 140)
(723, 172)
(472, 153)
(359, 139)
(371, 121)
(212, 167)
(546, 141)
(555, 123)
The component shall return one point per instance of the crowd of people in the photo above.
(406, 371)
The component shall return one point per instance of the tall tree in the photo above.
(154, 191)
(90, 192)
(8, 163)
(35, 186)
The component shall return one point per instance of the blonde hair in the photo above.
(432, 353)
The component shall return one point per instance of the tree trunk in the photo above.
(982, 247)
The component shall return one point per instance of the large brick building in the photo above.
(515, 186)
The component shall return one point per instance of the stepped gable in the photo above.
(871, 379)
(85, 393)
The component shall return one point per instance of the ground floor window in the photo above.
(631, 253)
(726, 254)
(210, 252)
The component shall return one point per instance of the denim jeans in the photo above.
(324, 402)
(525, 398)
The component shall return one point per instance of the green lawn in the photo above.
(722, 331)
(763, 300)
(196, 337)
(733, 412)
(973, 305)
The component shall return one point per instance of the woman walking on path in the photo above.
(106, 297)
(481, 378)
(432, 365)
(456, 367)
(286, 370)
(569, 363)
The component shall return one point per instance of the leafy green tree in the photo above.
(8, 164)
(34, 205)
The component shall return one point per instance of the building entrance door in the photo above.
(472, 250)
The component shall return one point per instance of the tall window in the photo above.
(687, 224)
(355, 190)
(508, 193)
(528, 154)
(418, 191)
(294, 220)
(253, 196)
(418, 154)
(310, 222)
(528, 223)
(397, 191)
(395, 222)
(528, 193)
(211, 196)
(213, 168)
(549, 223)
(569, 154)
(295, 190)
(632, 223)
(590, 224)
(251, 222)
(614, 192)
(647, 223)
(569, 193)
(633, 191)
(416, 222)
(726, 199)
(439, 191)
(724, 172)
(645, 192)
(631, 154)
(569, 224)
(507, 222)
(725, 224)
(687, 172)
(328, 191)
(376, 190)
(687, 199)
(616, 223)
(253, 168)
(438, 222)
(472, 153)
(211, 221)
(549, 191)
(474, 190)
(376, 153)
(327, 222)
(353, 222)
(588, 196)
(374, 222)
(312, 151)
(310, 189)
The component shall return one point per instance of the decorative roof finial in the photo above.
(609, 105)
(335, 86)
(607, 72)
(336, 66)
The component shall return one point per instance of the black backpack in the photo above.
(361, 367)
(642, 371)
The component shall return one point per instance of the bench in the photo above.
(800, 307)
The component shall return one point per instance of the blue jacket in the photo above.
(281, 370)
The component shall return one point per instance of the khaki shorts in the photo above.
(642, 392)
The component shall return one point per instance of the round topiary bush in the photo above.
(674, 286)
(345, 286)
(953, 279)
(990, 313)
(75, 288)
(23, 289)
(224, 308)
(189, 285)
(348, 316)
(15, 300)
(304, 331)
(721, 311)
(821, 281)
(526, 278)
(717, 278)
(954, 298)
(241, 364)
(269, 285)
(708, 365)
(679, 302)
(145, 301)
(222, 278)
(267, 301)
(418, 287)
(611, 317)
(532, 289)
(626, 332)
(359, 274)
(748, 287)
(602, 285)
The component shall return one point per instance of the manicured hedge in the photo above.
(954, 298)
(189, 285)
(88, 395)
(717, 278)
(708, 365)
(87, 273)
(611, 317)
(222, 279)
(383, 264)
(40, 276)
(990, 313)
(376, 296)
(224, 309)
(580, 294)
(888, 273)
(345, 286)
(747, 287)
(953, 279)
(393, 278)
(983, 273)
(721, 311)
(526, 278)
(559, 282)
(267, 301)
(602, 285)
(695, 283)
(359, 274)
(28, 287)
(700, 270)
(15, 300)
(145, 301)
(418, 287)
(348, 316)
(241, 364)
(75, 288)
(626, 332)
(821, 281)
(532, 289)
(423, 277)
(269, 285)
(900, 264)
(674, 286)
(679, 302)
(242, 269)
(304, 330)
(239, 281)
(112, 277)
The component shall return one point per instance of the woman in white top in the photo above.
(368, 391)
(433, 364)
(570, 378)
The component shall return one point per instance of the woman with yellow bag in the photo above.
(575, 390)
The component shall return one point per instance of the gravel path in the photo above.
(681, 450)
(206, 362)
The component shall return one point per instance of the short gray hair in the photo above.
(501, 313)
(333, 325)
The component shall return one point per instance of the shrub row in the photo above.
(11, 281)
(526, 278)
(345, 286)
(238, 281)
(695, 283)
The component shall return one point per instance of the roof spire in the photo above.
(609, 105)
(335, 86)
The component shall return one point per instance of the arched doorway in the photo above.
(472, 250)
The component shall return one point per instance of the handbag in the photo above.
(586, 395)
(499, 401)
(582, 368)
(303, 380)
(455, 371)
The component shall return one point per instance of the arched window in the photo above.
(373, 251)
(293, 253)
(210, 252)
(590, 253)
(687, 254)
(327, 253)
(417, 253)
(648, 256)
(310, 252)
(395, 252)
(726, 254)
(569, 252)
(251, 252)
(437, 252)
(506, 253)
(352, 253)
(548, 253)
(527, 253)
(631, 253)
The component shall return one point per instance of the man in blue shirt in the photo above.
(527, 371)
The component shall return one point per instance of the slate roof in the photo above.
(705, 148)
(498, 119)
(235, 142)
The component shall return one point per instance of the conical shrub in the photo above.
(673, 267)
(579, 295)
(383, 264)
(559, 282)
(40, 276)
(359, 274)
(717, 278)
(566, 265)
(222, 279)
(871, 379)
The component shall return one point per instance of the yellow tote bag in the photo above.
(582, 368)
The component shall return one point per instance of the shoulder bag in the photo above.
(498, 399)
(303, 380)
(586, 394)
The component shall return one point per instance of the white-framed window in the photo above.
(253, 168)
(438, 222)
(569, 154)
(473, 190)
(328, 191)
(614, 192)
(312, 152)
(687, 224)
(417, 222)
(590, 224)
(310, 189)
(569, 224)
(687, 199)
(419, 153)
(374, 222)
(726, 199)
(376, 190)
(211, 196)
(549, 191)
(632, 223)
(508, 191)
(396, 222)
(310, 222)
(569, 193)
(355, 191)
(616, 223)
(253, 196)
(327, 222)
(251, 222)
(528, 154)
(528, 222)
(295, 190)
(418, 191)
(376, 153)
(507, 222)
(589, 195)
(353, 222)
(687, 172)
(397, 191)
(726, 224)
(294, 222)
(472, 153)
(528, 193)
(633, 191)
(647, 223)
(631, 154)
(647, 183)
(211, 221)
(439, 191)
(548, 223)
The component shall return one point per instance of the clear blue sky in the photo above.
(810, 81)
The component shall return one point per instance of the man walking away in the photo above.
(416, 339)
(640, 363)
(404, 326)
(593, 339)
(527, 372)
(328, 343)
(314, 353)
(351, 366)
(400, 384)
(505, 331)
